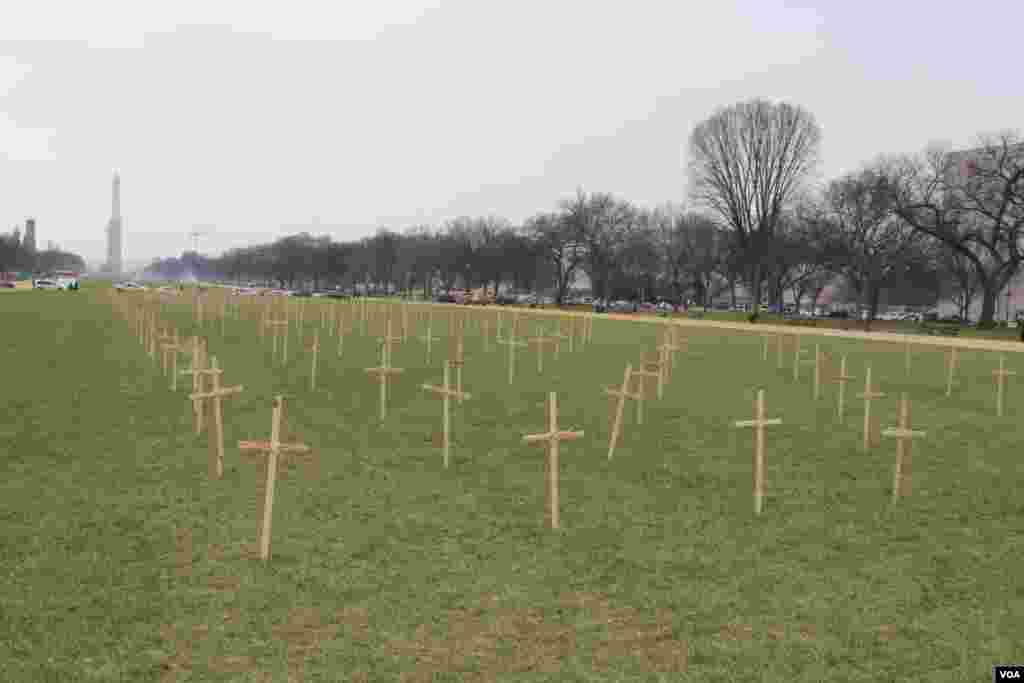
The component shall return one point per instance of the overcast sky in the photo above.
(253, 117)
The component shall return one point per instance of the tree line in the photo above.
(16, 255)
(907, 229)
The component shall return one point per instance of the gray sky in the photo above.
(257, 115)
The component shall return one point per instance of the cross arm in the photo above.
(266, 446)
(900, 433)
(226, 391)
(442, 391)
(758, 423)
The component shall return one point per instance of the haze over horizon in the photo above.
(254, 119)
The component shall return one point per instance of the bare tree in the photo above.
(868, 243)
(973, 202)
(602, 222)
(748, 162)
(561, 244)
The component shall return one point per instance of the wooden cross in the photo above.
(163, 341)
(388, 339)
(903, 435)
(215, 395)
(657, 367)
(842, 380)
(447, 393)
(316, 352)
(552, 437)
(172, 365)
(1001, 374)
(276, 325)
(512, 344)
(558, 336)
(196, 370)
(341, 332)
(817, 369)
(429, 338)
(797, 360)
(383, 372)
(759, 423)
(668, 349)
(457, 362)
(951, 365)
(273, 450)
(622, 393)
(152, 335)
(640, 375)
(868, 395)
(540, 340)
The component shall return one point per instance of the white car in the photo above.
(130, 287)
(45, 284)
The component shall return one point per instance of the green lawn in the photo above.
(100, 465)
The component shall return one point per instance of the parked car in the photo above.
(504, 299)
(125, 286)
(304, 293)
(45, 284)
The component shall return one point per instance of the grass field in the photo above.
(99, 466)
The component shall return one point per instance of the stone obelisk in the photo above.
(114, 231)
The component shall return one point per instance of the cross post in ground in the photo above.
(759, 423)
(315, 348)
(273, 450)
(512, 343)
(642, 390)
(842, 380)
(1001, 374)
(622, 393)
(552, 437)
(903, 435)
(383, 372)
(446, 393)
(215, 395)
(541, 340)
(951, 364)
(869, 395)
(429, 337)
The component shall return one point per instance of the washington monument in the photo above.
(114, 231)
